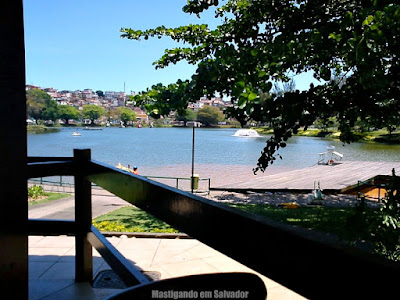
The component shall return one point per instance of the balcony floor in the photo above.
(52, 265)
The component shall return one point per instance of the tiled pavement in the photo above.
(52, 265)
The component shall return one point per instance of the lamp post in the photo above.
(192, 178)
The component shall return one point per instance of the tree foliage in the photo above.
(386, 231)
(67, 112)
(37, 101)
(51, 111)
(126, 114)
(100, 93)
(260, 42)
(93, 112)
(210, 115)
(160, 100)
(188, 115)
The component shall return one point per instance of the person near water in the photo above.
(135, 170)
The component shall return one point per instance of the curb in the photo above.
(147, 235)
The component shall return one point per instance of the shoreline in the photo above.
(378, 136)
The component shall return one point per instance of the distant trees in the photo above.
(37, 101)
(93, 112)
(126, 114)
(187, 115)
(209, 115)
(100, 93)
(51, 111)
(66, 112)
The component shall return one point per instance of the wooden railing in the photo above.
(314, 264)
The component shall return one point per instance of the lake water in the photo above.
(218, 154)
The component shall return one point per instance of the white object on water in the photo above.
(76, 133)
(331, 155)
(330, 148)
(246, 133)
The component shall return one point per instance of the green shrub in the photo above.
(36, 191)
(109, 226)
(386, 233)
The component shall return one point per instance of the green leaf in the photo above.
(262, 73)
(240, 84)
(252, 96)
(368, 20)
(242, 102)
(378, 15)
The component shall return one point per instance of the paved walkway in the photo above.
(102, 202)
(52, 265)
(337, 176)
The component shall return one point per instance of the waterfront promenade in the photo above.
(334, 177)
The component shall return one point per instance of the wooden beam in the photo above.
(13, 186)
(83, 218)
(51, 227)
(120, 265)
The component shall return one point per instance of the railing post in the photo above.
(83, 217)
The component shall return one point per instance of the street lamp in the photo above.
(192, 177)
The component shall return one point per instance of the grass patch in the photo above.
(379, 136)
(41, 129)
(48, 197)
(340, 221)
(131, 219)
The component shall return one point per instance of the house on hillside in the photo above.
(141, 115)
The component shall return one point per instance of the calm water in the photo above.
(151, 147)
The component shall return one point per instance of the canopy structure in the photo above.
(330, 156)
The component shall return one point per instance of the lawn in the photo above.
(48, 197)
(344, 222)
(339, 221)
(131, 219)
(380, 136)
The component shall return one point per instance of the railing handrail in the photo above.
(172, 177)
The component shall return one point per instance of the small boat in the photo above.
(93, 128)
(120, 166)
(246, 133)
(75, 133)
(128, 169)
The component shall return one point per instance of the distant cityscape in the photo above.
(111, 99)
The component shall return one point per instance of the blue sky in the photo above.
(76, 44)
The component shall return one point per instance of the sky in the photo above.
(75, 44)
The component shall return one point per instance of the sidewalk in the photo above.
(52, 265)
(102, 202)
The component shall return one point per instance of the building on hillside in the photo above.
(141, 115)
(61, 101)
(110, 95)
(31, 87)
(52, 92)
(196, 105)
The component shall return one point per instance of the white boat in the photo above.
(75, 133)
(246, 133)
